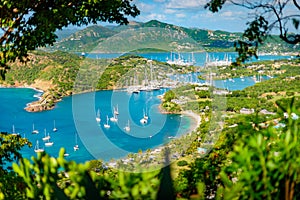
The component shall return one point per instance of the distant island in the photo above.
(158, 35)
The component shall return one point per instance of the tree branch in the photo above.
(296, 4)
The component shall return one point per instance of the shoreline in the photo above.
(38, 105)
(26, 87)
(195, 117)
(156, 151)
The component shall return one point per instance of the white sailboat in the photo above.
(37, 148)
(13, 131)
(34, 131)
(114, 118)
(66, 154)
(47, 137)
(76, 147)
(98, 119)
(116, 110)
(242, 78)
(145, 115)
(144, 120)
(54, 127)
(106, 125)
(257, 80)
(48, 143)
(127, 127)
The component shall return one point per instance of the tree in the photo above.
(27, 25)
(264, 164)
(268, 16)
(11, 185)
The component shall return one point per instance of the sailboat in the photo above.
(114, 118)
(34, 131)
(127, 127)
(145, 116)
(54, 127)
(242, 78)
(66, 154)
(37, 148)
(98, 116)
(116, 110)
(13, 131)
(47, 137)
(106, 125)
(257, 80)
(76, 147)
(48, 143)
(144, 120)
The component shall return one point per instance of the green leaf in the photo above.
(296, 23)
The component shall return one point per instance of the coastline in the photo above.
(158, 151)
(36, 105)
(28, 87)
(194, 117)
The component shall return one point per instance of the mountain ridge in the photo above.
(89, 38)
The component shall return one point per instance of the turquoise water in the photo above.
(76, 114)
(231, 85)
(199, 57)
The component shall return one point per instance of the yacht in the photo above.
(47, 137)
(76, 146)
(13, 131)
(114, 118)
(127, 127)
(98, 116)
(34, 131)
(37, 149)
(54, 127)
(106, 125)
(48, 143)
(116, 110)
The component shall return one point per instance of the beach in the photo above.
(196, 119)
(155, 157)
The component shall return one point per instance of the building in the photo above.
(247, 111)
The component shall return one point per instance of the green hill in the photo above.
(157, 35)
(61, 74)
(83, 40)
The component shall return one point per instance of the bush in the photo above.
(182, 163)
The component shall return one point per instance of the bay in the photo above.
(76, 114)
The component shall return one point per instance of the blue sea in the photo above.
(75, 115)
(199, 57)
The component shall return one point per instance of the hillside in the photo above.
(83, 40)
(61, 74)
(157, 35)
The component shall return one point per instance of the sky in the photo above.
(191, 13)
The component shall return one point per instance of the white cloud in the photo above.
(170, 11)
(156, 16)
(186, 4)
(180, 15)
(227, 14)
(145, 8)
